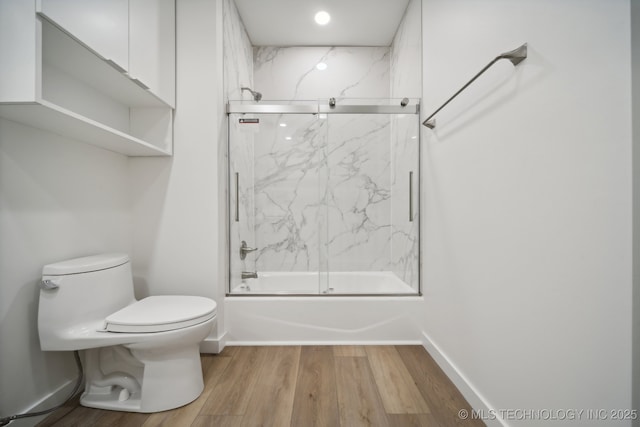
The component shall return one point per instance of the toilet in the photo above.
(139, 356)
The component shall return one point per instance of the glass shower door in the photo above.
(278, 181)
(372, 203)
(324, 199)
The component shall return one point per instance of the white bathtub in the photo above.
(334, 283)
(287, 309)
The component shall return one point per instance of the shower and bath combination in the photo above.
(324, 197)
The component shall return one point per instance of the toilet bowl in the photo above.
(139, 356)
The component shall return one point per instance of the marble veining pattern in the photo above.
(290, 73)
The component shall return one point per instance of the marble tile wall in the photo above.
(290, 73)
(238, 72)
(406, 54)
(237, 52)
(406, 81)
(290, 193)
(328, 188)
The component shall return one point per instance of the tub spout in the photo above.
(249, 275)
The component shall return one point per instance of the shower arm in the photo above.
(515, 56)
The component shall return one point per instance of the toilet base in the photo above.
(145, 376)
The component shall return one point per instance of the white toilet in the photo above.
(140, 356)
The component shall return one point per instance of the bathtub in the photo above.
(287, 309)
(334, 283)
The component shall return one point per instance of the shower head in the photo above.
(257, 96)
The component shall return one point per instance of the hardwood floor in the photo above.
(304, 387)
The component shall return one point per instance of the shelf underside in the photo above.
(63, 122)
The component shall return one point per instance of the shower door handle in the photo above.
(411, 196)
(237, 218)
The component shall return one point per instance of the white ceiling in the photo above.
(290, 22)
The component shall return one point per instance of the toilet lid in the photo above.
(161, 313)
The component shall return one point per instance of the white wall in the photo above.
(59, 199)
(635, 75)
(527, 236)
(179, 203)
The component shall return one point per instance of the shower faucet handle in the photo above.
(244, 249)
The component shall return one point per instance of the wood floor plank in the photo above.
(121, 419)
(349, 351)
(412, 420)
(60, 413)
(218, 421)
(316, 400)
(271, 402)
(213, 368)
(231, 393)
(228, 351)
(443, 397)
(358, 400)
(395, 384)
(80, 417)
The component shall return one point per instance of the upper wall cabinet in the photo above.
(152, 46)
(102, 25)
(135, 36)
(73, 79)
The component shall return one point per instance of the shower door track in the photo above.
(321, 109)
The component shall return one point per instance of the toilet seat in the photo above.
(161, 313)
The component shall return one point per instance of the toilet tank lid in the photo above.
(85, 264)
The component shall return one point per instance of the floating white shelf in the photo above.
(48, 116)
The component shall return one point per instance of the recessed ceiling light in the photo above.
(283, 125)
(321, 66)
(322, 18)
(288, 138)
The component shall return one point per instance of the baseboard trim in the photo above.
(283, 343)
(213, 345)
(50, 400)
(471, 394)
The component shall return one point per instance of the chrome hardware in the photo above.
(244, 250)
(49, 284)
(237, 199)
(321, 108)
(249, 275)
(257, 96)
(404, 102)
(411, 196)
(332, 102)
(514, 56)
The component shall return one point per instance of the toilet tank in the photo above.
(78, 294)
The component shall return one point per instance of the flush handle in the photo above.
(48, 284)
(244, 250)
